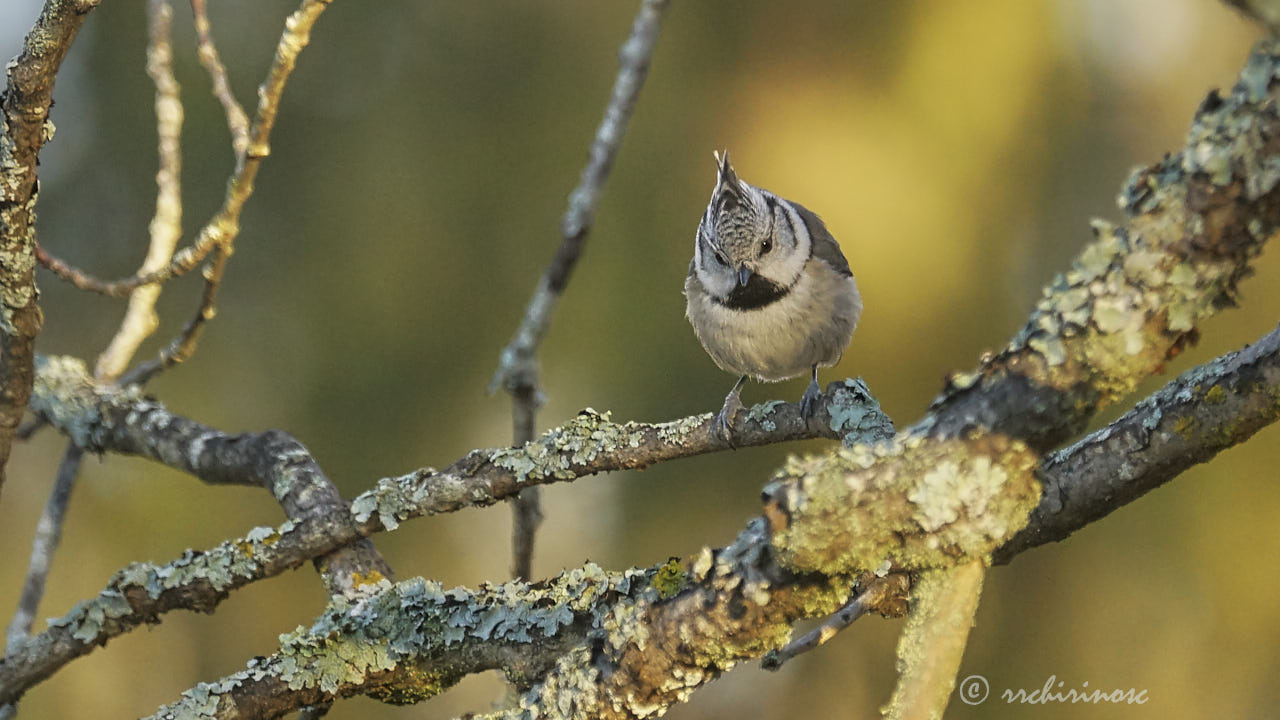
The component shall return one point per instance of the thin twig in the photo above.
(518, 366)
(237, 120)
(223, 228)
(885, 595)
(184, 261)
(140, 319)
(43, 546)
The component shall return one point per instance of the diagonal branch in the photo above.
(24, 129)
(207, 51)
(1187, 422)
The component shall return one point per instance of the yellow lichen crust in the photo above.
(911, 504)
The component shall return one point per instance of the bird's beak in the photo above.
(744, 275)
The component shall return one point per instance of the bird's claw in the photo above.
(722, 425)
(809, 401)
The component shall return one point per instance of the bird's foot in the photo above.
(809, 401)
(723, 423)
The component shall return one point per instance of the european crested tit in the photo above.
(769, 293)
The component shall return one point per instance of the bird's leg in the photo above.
(723, 424)
(809, 401)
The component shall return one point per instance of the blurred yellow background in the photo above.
(419, 168)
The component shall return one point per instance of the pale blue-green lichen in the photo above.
(855, 414)
(416, 620)
(221, 568)
(762, 414)
(677, 432)
(561, 452)
(65, 394)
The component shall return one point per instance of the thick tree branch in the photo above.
(1187, 422)
(957, 484)
(24, 129)
(518, 364)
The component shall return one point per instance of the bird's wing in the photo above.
(823, 245)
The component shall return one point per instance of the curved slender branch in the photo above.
(207, 51)
(140, 319)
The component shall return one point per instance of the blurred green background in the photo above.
(419, 168)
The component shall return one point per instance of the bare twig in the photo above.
(48, 535)
(223, 228)
(25, 128)
(518, 366)
(207, 51)
(885, 595)
(184, 261)
(43, 546)
(140, 319)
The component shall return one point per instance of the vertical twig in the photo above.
(140, 320)
(518, 366)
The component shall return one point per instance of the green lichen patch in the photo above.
(563, 452)
(914, 504)
(670, 578)
(406, 628)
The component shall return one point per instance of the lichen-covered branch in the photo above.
(408, 642)
(1135, 295)
(102, 417)
(960, 482)
(518, 365)
(1201, 413)
(111, 419)
(24, 129)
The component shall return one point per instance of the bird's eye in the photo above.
(766, 246)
